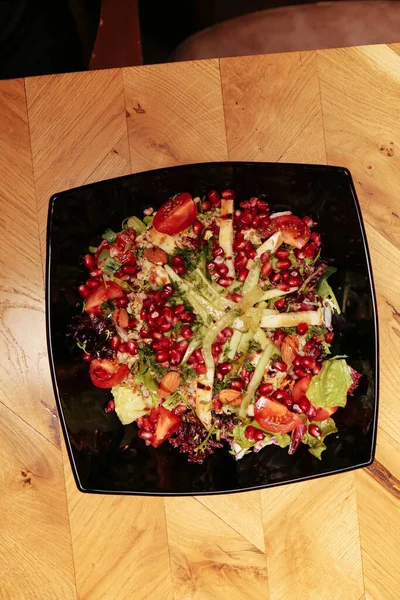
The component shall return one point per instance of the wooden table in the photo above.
(333, 538)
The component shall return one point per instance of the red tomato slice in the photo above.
(167, 424)
(102, 294)
(324, 413)
(300, 388)
(106, 373)
(274, 416)
(104, 245)
(294, 231)
(176, 214)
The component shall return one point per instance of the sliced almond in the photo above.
(156, 255)
(232, 397)
(289, 348)
(168, 384)
(121, 318)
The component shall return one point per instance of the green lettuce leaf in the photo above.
(110, 236)
(317, 446)
(326, 293)
(330, 386)
(283, 439)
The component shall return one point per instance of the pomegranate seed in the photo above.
(294, 281)
(316, 369)
(236, 297)
(264, 257)
(211, 267)
(197, 227)
(95, 273)
(132, 347)
(93, 284)
(308, 221)
(84, 291)
(309, 250)
(316, 238)
(177, 260)
(165, 326)
(144, 333)
(266, 270)
(279, 365)
(285, 276)
(216, 349)
(308, 362)
(239, 245)
(156, 335)
(281, 253)
(86, 357)
(299, 372)
(174, 357)
(110, 407)
(276, 277)
(187, 317)
(179, 269)
(311, 413)
(329, 337)
(224, 368)
(182, 346)
(246, 217)
(259, 435)
(198, 355)
(168, 290)
(217, 251)
(302, 328)
(213, 196)
(265, 222)
(255, 222)
(278, 337)
(200, 369)
(115, 342)
(228, 195)
(284, 287)
(129, 269)
(236, 384)
(314, 430)
(163, 343)
(296, 408)
(304, 404)
(206, 205)
(298, 361)
(168, 314)
(224, 281)
(265, 389)
(283, 264)
(280, 304)
(121, 302)
(262, 206)
(179, 309)
(309, 346)
(222, 269)
(217, 406)
(88, 261)
(240, 262)
(227, 332)
(161, 356)
(242, 274)
(186, 332)
(123, 347)
(251, 253)
(250, 432)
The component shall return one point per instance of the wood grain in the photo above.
(379, 518)
(24, 375)
(175, 114)
(360, 91)
(272, 108)
(214, 566)
(77, 122)
(312, 540)
(35, 550)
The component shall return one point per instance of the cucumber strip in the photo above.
(274, 293)
(270, 245)
(252, 297)
(226, 234)
(258, 374)
(252, 278)
(202, 311)
(193, 344)
(261, 337)
(135, 223)
(235, 339)
(206, 289)
(291, 319)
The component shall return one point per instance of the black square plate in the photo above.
(108, 457)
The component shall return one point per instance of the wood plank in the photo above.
(209, 559)
(272, 108)
(360, 90)
(387, 282)
(24, 374)
(120, 544)
(378, 494)
(35, 551)
(312, 540)
(175, 114)
(76, 122)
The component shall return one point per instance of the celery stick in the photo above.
(252, 278)
(206, 289)
(291, 319)
(274, 293)
(235, 339)
(258, 374)
(193, 344)
(270, 245)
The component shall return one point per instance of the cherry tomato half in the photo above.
(106, 373)
(101, 295)
(300, 388)
(294, 231)
(176, 214)
(274, 416)
(324, 413)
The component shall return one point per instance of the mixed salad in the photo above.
(213, 325)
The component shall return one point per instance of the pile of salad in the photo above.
(213, 325)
